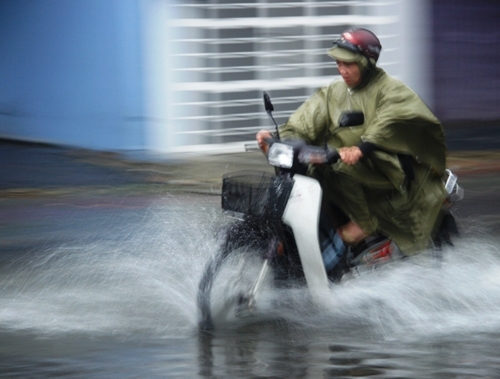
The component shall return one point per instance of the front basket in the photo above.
(256, 193)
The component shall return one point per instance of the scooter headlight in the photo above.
(280, 155)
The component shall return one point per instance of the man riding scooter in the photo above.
(389, 180)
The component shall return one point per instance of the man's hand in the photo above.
(261, 137)
(350, 155)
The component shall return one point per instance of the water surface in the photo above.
(106, 288)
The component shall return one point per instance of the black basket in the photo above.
(256, 193)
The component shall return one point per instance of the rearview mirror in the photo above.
(267, 103)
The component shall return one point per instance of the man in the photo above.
(390, 177)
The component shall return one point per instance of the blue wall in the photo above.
(70, 72)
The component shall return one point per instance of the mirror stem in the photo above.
(269, 109)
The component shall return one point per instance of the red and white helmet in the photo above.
(356, 41)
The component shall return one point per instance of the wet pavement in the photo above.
(33, 171)
(26, 168)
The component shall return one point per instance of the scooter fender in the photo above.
(302, 215)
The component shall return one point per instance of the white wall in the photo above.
(156, 50)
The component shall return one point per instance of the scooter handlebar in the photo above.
(269, 141)
(303, 154)
(317, 155)
(332, 156)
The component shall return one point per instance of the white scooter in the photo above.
(279, 228)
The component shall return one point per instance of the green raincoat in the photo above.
(376, 193)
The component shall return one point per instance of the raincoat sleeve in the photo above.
(310, 121)
(403, 124)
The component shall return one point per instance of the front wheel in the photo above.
(229, 284)
(254, 252)
(232, 278)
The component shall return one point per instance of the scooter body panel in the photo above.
(302, 215)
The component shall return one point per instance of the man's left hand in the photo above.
(350, 155)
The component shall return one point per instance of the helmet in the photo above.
(356, 41)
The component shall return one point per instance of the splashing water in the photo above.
(416, 296)
(147, 281)
(143, 279)
(419, 297)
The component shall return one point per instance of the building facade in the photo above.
(188, 76)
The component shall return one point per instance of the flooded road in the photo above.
(105, 287)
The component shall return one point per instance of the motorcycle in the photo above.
(280, 233)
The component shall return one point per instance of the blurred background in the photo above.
(160, 76)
